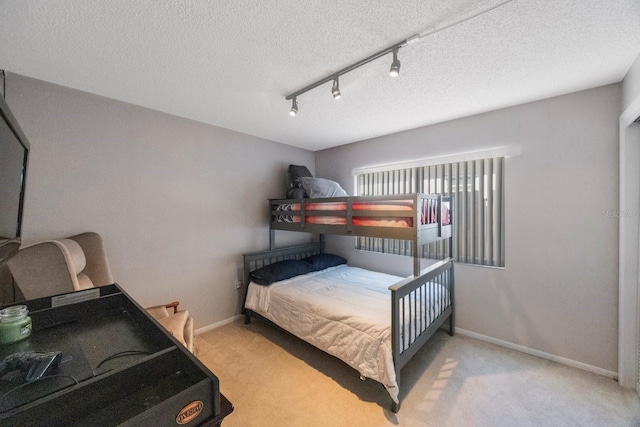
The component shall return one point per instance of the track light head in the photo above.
(335, 90)
(395, 65)
(294, 107)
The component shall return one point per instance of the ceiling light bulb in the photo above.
(395, 65)
(335, 90)
(294, 107)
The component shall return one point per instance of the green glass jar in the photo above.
(15, 324)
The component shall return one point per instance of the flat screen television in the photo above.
(14, 152)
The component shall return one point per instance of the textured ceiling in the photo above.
(231, 63)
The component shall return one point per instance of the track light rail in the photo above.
(351, 67)
(395, 66)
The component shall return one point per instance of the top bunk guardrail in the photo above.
(421, 218)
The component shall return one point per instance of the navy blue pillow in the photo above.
(322, 261)
(280, 270)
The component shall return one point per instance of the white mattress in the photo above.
(344, 311)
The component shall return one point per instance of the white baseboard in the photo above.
(218, 324)
(542, 354)
(496, 341)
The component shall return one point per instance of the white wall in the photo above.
(558, 292)
(629, 302)
(176, 201)
(631, 84)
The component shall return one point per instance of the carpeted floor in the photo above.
(275, 379)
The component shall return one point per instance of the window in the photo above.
(478, 211)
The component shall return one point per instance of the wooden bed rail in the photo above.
(435, 229)
(419, 306)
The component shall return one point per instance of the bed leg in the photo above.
(452, 329)
(395, 407)
(247, 318)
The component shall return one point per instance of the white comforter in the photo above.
(344, 311)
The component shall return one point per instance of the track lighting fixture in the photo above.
(395, 65)
(335, 90)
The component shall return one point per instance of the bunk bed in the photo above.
(418, 305)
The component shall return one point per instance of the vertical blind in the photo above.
(477, 190)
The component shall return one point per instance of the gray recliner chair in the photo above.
(80, 262)
(53, 267)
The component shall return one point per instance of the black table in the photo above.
(118, 367)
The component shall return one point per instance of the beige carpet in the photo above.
(274, 379)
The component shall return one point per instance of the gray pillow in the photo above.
(320, 187)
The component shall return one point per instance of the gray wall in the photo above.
(558, 292)
(156, 187)
(176, 201)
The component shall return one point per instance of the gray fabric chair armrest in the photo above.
(178, 322)
(42, 260)
(97, 267)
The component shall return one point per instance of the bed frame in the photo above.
(417, 321)
(419, 326)
(418, 233)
